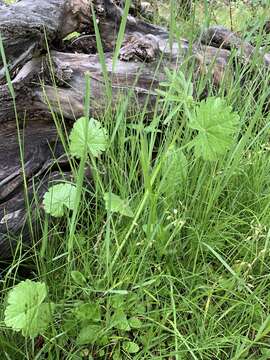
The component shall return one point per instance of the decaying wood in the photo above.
(27, 26)
(40, 149)
(28, 29)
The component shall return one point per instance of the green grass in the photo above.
(192, 266)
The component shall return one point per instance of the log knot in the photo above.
(140, 48)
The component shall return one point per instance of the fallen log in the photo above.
(28, 25)
(47, 80)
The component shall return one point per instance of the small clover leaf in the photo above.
(130, 347)
(135, 323)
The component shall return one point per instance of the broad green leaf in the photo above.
(26, 310)
(115, 204)
(87, 134)
(216, 124)
(90, 311)
(78, 278)
(58, 198)
(130, 347)
(135, 323)
(89, 334)
(119, 320)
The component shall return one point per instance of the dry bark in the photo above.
(145, 53)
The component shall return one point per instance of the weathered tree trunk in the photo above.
(28, 155)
